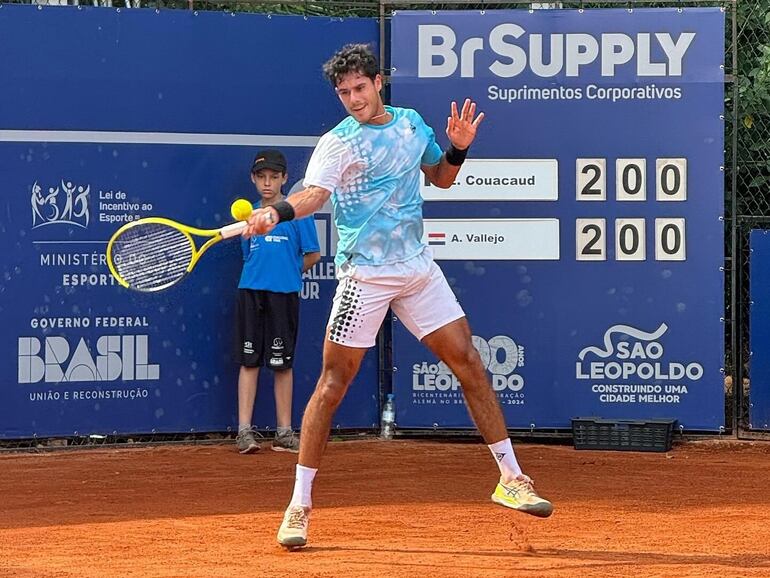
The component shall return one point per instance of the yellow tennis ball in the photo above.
(241, 210)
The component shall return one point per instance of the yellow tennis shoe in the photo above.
(519, 494)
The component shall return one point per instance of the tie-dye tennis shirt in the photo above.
(373, 173)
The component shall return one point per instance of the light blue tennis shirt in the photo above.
(373, 173)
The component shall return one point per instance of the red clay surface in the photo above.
(392, 509)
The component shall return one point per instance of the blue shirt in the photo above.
(273, 262)
(373, 173)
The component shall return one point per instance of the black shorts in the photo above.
(266, 331)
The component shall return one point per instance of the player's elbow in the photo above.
(438, 177)
(443, 183)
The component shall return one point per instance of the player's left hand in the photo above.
(461, 128)
(261, 222)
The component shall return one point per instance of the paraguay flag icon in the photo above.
(436, 238)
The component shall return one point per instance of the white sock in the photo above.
(506, 459)
(243, 426)
(303, 487)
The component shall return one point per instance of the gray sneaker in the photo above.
(286, 443)
(246, 441)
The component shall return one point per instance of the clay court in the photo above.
(396, 509)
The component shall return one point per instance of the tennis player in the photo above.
(369, 165)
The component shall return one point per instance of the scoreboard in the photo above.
(584, 236)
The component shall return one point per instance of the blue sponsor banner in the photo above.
(583, 237)
(759, 409)
(108, 116)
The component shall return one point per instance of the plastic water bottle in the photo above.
(388, 421)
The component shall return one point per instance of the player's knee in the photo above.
(468, 358)
(330, 391)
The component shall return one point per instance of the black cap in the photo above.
(269, 159)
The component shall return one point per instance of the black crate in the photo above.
(592, 433)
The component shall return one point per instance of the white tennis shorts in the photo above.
(416, 290)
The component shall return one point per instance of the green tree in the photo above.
(753, 131)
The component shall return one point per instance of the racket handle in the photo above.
(233, 229)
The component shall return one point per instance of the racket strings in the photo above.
(152, 256)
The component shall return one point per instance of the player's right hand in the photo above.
(261, 222)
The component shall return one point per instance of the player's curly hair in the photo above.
(351, 58)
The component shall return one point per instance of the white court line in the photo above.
(184, 138)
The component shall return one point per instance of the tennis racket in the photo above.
(154, 253)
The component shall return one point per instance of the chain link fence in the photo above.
(747, 153)
(747, 176)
